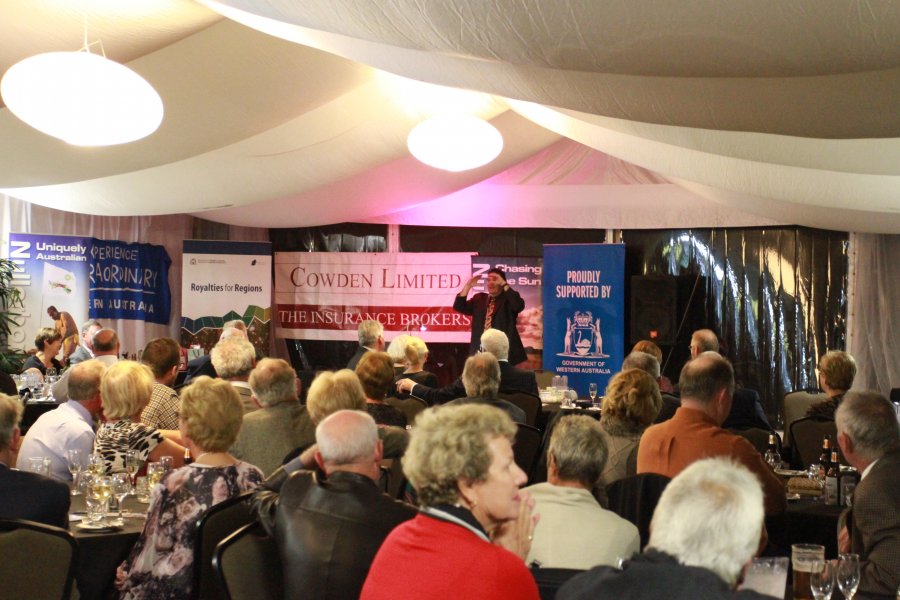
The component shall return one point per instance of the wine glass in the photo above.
(821, 579)
(592, 391)
(848, 574)
(121, 487)
(101, 491)
(132, 464)
(96, 465)
(155, 471)
(75, 463)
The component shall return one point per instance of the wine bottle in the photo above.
(825, 457)
(832, 480)
(771, 456)
(187, 457)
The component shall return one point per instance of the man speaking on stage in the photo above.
(497, 309)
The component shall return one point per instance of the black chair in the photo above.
(549, 580)
(247, 565)
(796, 404)
(758, 437)
(410, 407)
(634, 498)
(38, 560)
(807, 435)
(529, 403)
(393, 481)
(215, 525)
(527, 447)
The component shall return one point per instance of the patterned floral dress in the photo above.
(160, 565)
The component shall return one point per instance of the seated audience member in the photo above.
(71, 425)
(85, 349)
(695, 431)
(705, 529)
(48, 342)
(472, 533)
(202, 365)
(371, 337)
(25, 495)
(329, 529)
(414, 365)
(837, 370)
(512, 379)
(376, 374)
(574, 531)
(163, 356)
(106, 350)
(124, 392)
(648, 347)
(648, 364)
(281, 423)
(397, 351)
(631, 404)
(161, 563)
(233, 359)
(869, 437)
(481, 379)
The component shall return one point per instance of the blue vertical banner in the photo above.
(584, 312)
(129, 281)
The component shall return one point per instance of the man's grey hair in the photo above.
(233, 332)
(273, 381)
(481, 376)
(578, 449)
(710, 516)
(495, 342)
(701, 379)
(233, 357)
(869, 420)
(369, 331)
(643, 361)
(90, 323)
(346, 437)
(84, 380)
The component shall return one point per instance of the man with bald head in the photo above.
(106, 349)
(328, 530)
(695, 431)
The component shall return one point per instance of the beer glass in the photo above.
(803, 560)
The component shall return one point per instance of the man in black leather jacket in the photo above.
(328, 530)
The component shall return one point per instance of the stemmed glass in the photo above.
(100, 491)
(592, 391)
(96, 465)
(121, 487)
(132, 464)
(848, 574)
(75, 463)
(821, 580)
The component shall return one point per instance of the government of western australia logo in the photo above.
(583, 337)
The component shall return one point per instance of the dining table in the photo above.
(100, 552)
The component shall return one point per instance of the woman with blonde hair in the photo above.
(397, 351)
(416, 356)
(125, 391)
(474, 527)
(631, 404)
(161, 563)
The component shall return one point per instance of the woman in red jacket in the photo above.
(473, 531)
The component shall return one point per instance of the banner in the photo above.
(523, 274)
(129, 281)
(224, 281)
(584, 312)
(325, 295)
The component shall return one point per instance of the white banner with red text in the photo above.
(325, 295)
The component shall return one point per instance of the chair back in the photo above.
(795, 406)
(529, 403)
(549, 580)
(410, 407)
(527, 447)
(393, 481)
(807, 434)
(759, 437)
(544, 377)
(634, 498)
(215, 525)
(247, 565)
(38, 560)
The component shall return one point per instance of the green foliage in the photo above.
(10, 301)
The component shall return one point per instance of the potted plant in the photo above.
(10, 301)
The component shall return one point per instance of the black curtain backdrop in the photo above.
(775, 296)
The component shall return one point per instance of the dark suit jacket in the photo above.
(202, 365)
(515, 413)
(328, 531)
(25, 495)
(508, 306)
(746, 411)
(356, 357)
(512, 379)
(670, 404)
(875, 530)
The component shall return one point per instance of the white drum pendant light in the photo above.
(455, 142)
(82, 98)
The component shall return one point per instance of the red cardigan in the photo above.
(428, 558)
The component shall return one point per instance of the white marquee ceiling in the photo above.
(282, 113)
